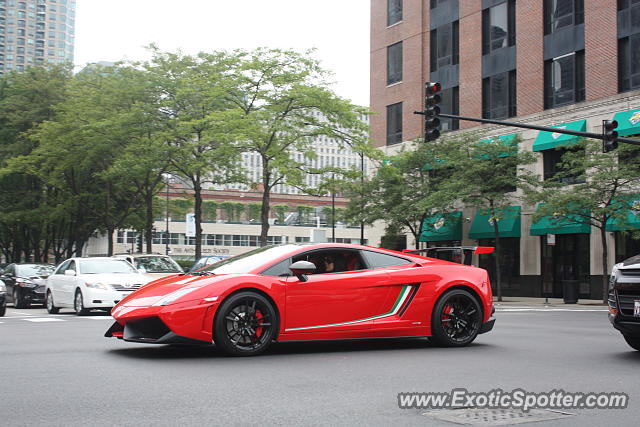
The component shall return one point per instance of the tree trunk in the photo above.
(605, 263)
(148, 229)
(264, 211)
(110, 232)
(197, 194)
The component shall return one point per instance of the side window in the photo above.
(63, 267)
(333, 260)
(72, 266)
(280, 269)
(380, 260)
(11, 270)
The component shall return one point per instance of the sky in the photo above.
(113, 30)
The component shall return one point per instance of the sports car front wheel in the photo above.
(456, 319)
(245, 324)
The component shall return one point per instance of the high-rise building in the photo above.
(36, 32)
(570, 63)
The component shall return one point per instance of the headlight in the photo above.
(23, 283)
(614, 275)
(98, 286)
(3, 288)
(174, 296)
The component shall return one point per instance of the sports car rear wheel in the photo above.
(456, 319)
(245, 324)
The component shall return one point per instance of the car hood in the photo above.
(630, 262)
(155, 276)
(118, 279)
(158, 289)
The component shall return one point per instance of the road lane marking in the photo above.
(44, 319)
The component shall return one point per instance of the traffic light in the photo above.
(431, 111)
(609, 135)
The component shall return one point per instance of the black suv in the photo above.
(25, 283)
(624, 300)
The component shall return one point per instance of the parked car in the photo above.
(25, 283)
(152, 265)
(205, 261)
(3, 298)
(310, 292)
(624, 300)
(87, 283)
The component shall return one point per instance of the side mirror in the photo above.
(69, 272)
(300, 269)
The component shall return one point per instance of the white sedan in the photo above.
(87, 283)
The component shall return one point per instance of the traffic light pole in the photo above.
(534, 127)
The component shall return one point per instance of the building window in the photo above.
(553, 167)
(629, 61)
(394, 12)
(394, 123)
(444, 46)
(450, 105)
(564, 80)
(562, 13)
(435, 3)
(499, 96)
(394, 63)
(498, 26)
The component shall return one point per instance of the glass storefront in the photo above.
(565, 263)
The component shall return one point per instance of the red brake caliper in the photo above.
(259, 328)
(446, 311)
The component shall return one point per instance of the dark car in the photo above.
(624, 300)
(3, 298)
(25, 283)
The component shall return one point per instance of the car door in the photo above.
(335, 301)
(68, 284)
(54, 282)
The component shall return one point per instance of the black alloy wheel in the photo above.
(48, 302)
(634, 342)
(456, 319)
(245, 324)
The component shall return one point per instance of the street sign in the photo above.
(191, 225)
(551, 239)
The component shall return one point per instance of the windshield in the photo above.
(155, 264)
(248, 261)
(108, 266)
(31, 270)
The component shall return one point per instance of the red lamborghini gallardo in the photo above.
(310, 292)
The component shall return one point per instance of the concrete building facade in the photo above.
(541, 62)
(36, 32)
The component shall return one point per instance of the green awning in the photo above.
(441, 227)
(551, 225)
(549, 140)
(508, 224)
(506, 140)
(631, 220)
(628, 122)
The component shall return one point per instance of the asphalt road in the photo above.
(60, 370)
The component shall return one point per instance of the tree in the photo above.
(30, 224)
(406, 189)
(605, 187)
(490, 175)
(202, 127)
(286, 103)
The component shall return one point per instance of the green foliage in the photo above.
(281, 212)
(253, 211)
(305, 214)
(210, 210)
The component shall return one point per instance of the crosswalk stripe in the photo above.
(44, 319)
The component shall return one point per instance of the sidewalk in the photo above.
(540, 302)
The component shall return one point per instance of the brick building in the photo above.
(543, 62)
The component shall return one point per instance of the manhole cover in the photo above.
(494, 417)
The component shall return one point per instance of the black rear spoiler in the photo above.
(459, 254)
